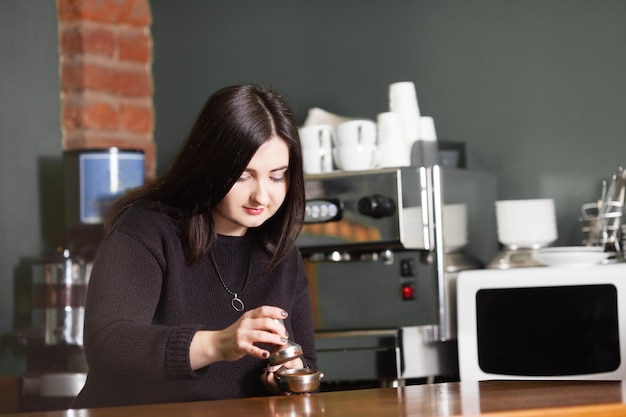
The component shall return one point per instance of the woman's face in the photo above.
(258, 193)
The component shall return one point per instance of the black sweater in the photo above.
(145, 303)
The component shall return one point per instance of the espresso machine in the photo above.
(382, 249)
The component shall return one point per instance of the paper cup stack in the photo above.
(403, 102)
(526, 224)
(393, 150)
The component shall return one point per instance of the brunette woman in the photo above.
(198, 270)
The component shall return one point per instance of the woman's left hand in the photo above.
(267, 377)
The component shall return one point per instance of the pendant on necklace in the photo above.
(237, 303)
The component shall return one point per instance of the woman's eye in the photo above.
(276, 176)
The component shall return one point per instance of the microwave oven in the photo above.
(553, 322)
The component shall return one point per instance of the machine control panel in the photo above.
(323, 210)
(407, 267)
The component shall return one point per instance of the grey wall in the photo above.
(535, 89)
(30, 158)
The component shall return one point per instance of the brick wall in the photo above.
(106, 76)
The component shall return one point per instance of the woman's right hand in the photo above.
(259, 326)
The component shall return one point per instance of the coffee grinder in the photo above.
(56, 367)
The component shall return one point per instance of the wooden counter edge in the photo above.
(600, 410)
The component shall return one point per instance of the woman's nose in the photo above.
(260, 193)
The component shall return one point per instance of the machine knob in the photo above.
(377, 206)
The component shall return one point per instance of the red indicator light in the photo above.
(408, 292)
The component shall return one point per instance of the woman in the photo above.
(198, 270)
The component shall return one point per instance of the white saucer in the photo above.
(571, 255)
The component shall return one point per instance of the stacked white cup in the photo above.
(355, 145)
(419, 131)
(427, 129)
(403, 101)
(316, 141)
(526, 224)
(392, 148)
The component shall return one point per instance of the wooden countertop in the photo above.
(497, 398)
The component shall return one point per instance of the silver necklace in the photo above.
(236, 302)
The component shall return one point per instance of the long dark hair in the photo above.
(234, 122)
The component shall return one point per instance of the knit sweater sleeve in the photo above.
(301, 314)
(122, 337)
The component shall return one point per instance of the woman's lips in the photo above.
(254, 211)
